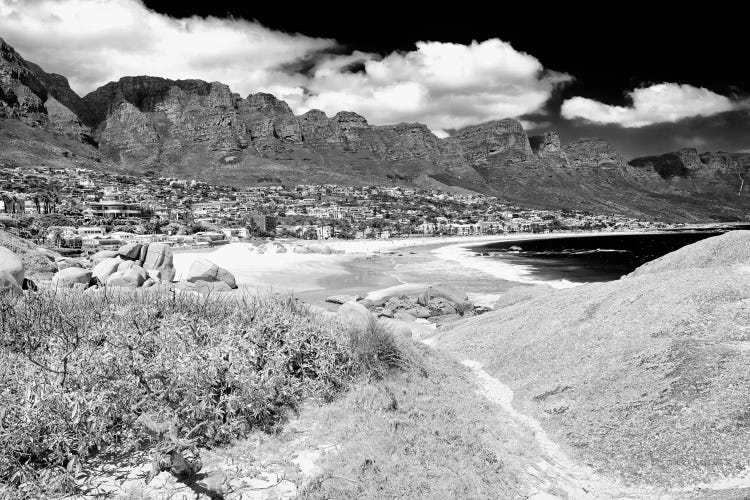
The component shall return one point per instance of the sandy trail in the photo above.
(557, 476)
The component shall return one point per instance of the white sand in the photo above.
(289, 271)
(279, 272)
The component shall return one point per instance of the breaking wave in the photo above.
(497, 266)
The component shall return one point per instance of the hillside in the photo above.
(202, 130)
(644, 378)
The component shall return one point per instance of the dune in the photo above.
(646, 378)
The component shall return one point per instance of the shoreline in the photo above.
(359, 264)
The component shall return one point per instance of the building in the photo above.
(265, 223)
(90, 231)
(324, 232)
(111, 209)
(235, 233)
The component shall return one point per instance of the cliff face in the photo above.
(201, 130)
(592, 152)
(548, 148)
(37, 98)
(688, 163)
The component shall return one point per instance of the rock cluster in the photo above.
(409, 310)
(133, 265)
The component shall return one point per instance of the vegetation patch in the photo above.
(82, 373)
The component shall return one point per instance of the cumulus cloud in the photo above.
(662, 103)
(96, 41)
(445, 85)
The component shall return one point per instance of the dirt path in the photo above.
(557, 476)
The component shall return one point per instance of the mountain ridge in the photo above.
(202, 130)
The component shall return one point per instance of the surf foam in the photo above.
(497, 267)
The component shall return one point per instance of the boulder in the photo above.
(402, 302)
(8, 284)
(11, 263)
(340, 299)
(130, 251)
(404, 316)
(159, 258)
(355, 315)
(371, 303)
(320, 248)
(142, 254)
(66, 262)
(301, 249)
(68, 277)
(133, 277)
(419, 312)
(439, 307)
(103, 254)
(385, 312)
(448, 292)
(105, 268)
(407, 329)
(272, 247)
(397, 328)
(205, 270)
(125, 265)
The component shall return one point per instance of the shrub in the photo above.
(81, 372)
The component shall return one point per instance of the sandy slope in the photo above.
(645, 379)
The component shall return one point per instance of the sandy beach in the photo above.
(360, 266)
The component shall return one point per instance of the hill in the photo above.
(644, 378)
(202, 130)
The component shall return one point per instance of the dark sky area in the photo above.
(608, 47)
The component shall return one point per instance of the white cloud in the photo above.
(662, 103)
(444, 85)
(96, 41)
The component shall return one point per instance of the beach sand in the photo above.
(365, 265)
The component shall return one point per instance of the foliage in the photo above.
(81, 372)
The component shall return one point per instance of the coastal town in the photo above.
(84, 209)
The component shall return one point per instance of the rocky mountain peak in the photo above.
(268, 102)
(590, 152)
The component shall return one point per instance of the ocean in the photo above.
(486, 270)
(489, 269)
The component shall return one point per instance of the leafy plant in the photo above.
(83, 372)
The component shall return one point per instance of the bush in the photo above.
(81, 372)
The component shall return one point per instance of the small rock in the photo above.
(340, 299)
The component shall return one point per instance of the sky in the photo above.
(646, 80)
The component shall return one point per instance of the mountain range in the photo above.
(148, 125)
